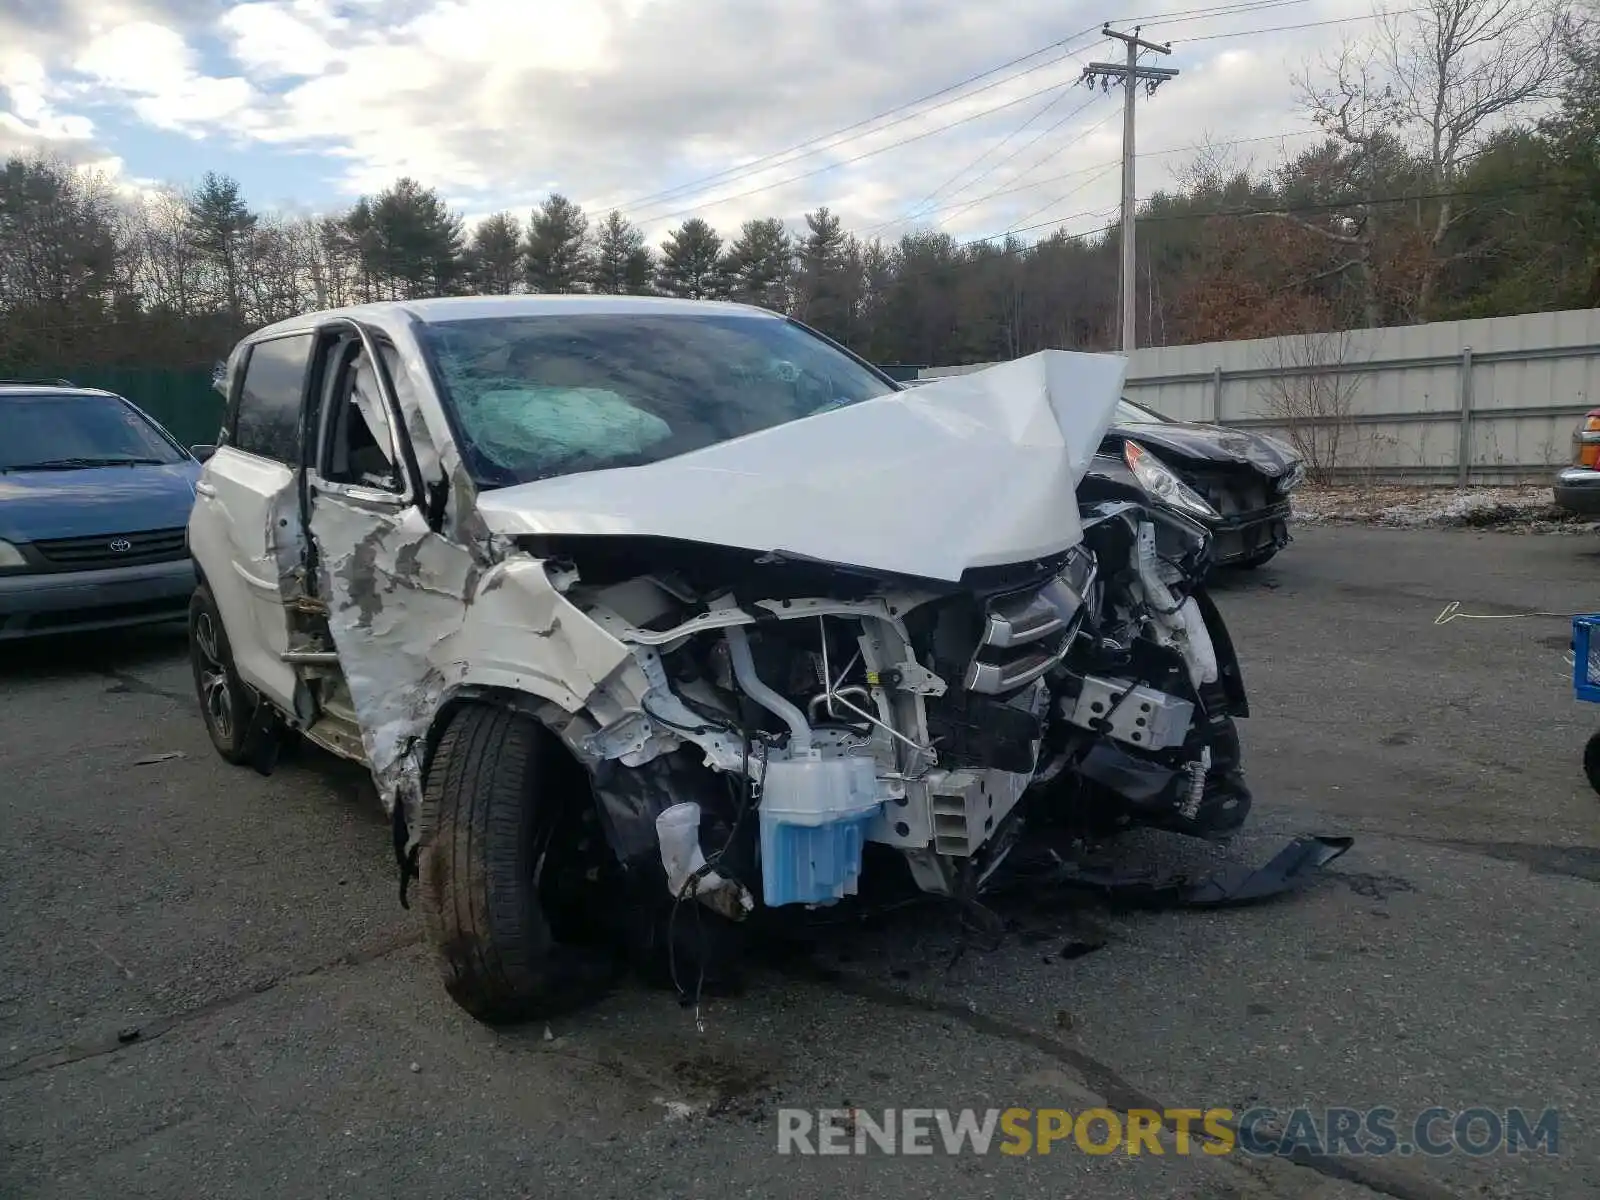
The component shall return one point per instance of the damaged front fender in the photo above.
(418, 622)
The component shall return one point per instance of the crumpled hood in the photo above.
(1213, 443)
(972, 471)
(88, 501)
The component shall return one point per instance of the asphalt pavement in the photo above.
(210, 990)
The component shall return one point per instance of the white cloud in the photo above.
(616, 101)
(278, 39)
(154, 69)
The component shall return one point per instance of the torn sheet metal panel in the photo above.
(973, 471)
(414, 618)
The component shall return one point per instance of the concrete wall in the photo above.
(1485, 401)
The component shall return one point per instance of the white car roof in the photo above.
(467, 308)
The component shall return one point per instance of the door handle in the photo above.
(205, 489)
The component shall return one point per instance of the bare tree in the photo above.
(167, 267)
(1310, 394)
(1438, 77)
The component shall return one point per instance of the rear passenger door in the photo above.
(246, 531)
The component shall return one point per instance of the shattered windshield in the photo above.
(537, 396)
(52, 431)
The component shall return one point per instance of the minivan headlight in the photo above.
(1158, 479)
(10, 556)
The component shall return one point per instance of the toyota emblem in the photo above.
(120, 545)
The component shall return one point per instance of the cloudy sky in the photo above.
(665, 108)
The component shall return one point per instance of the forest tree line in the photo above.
(1457, 174)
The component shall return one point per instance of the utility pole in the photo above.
(1129, 73)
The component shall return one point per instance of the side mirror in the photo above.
(202, 452)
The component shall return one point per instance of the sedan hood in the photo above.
(976, 470)
(36, 505)
(1213, 443)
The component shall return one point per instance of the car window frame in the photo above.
(236, 395)
(317, 414)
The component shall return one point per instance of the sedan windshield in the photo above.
(1129, 413)
(56, 432)
(539, 396)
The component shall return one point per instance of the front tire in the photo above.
(1259, 559)
(1591, 761)
(488, 829)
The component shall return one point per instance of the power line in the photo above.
(1099, 169)
(971, 204)
(1086, 183)
(1037, 138)
(859, 129)
(1266, 137)
(1209, 12)
(914, 210)
(1211, 37)
(916, 137)
(810, 147)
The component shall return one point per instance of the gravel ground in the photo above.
(210, 990)
(1520, 509)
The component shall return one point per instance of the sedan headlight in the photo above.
(1157, 478)
(10, 556)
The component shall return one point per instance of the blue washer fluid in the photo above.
(814, 816)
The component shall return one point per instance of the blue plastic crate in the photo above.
(1585, 672)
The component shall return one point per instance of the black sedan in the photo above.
(1233, 481)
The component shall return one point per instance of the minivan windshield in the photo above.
(47, 431)
(539, 396)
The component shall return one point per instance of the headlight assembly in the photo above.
(1157, 478)
(10, 556)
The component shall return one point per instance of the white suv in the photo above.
(627, 602)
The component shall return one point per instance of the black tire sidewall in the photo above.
(1591, 761)
(235, 749)
(481, 822)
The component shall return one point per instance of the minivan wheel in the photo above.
(489, 828)
(226, 704)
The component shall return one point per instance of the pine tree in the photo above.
(410, 243)
(220, 226)
(622, 262)
(494, 258)
(691, 262)
(760, 263)
(556, 253)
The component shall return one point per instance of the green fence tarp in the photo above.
(182, 400)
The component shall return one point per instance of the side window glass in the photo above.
(268, 423)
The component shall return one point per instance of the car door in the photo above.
(245, 532)
(393, 585)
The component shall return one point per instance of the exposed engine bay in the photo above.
(796, 712)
